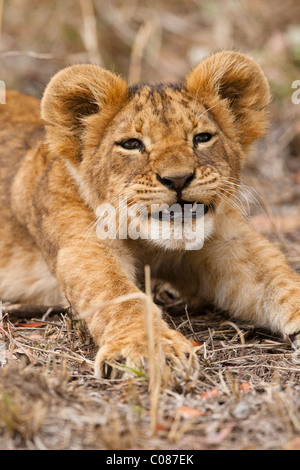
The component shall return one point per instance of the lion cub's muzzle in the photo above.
(178, 183)
(181, 209)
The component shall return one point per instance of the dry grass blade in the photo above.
(116, 300)
(153, 347)
(138, 49)
(238, 330)
(1, 15)
(80, 360)
(90, 33)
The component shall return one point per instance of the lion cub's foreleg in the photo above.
(92, 273)
(248, 276)
(96, 283)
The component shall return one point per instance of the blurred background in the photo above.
(157, 40)
(145, 39)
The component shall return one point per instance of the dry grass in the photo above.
(247, 393)
(246, 396)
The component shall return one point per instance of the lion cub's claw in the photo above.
(174, 356)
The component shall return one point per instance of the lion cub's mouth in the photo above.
(182, 210)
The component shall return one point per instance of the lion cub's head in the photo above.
(153, 146)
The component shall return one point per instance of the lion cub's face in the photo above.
(164, 148)
(163, 156)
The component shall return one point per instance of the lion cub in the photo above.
(167, 157)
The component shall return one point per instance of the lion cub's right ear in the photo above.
(74, 95)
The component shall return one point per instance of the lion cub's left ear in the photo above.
(72, 97)
(237, 91)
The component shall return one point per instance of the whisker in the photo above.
(227, 197)
(244, 185)
(246, 192)
(235, 193)
(237, 196)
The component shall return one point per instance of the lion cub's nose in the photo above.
(178, 183)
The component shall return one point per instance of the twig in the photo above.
(140, 43)
(29, 311)
(237, 329)
(35, 55)
(89, 33)
(267, 366)
(255, 357)
(118, 22)
(189, 321)
(16, 343)
(251, 345)
(46, 351)
(1, 16)
(58, 354)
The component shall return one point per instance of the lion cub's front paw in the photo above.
(174, 356)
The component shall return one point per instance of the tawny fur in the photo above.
(58, 168)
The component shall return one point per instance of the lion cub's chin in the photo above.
(177, 235)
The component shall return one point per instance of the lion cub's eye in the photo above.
(132, 144)
(202, 137)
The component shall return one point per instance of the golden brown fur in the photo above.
(52, 184)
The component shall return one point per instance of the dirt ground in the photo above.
(247, 395)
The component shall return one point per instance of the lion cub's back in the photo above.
(21, 128)
(24, 276)
(19, 108)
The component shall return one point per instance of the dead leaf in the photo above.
(37, 324)
(194, 343)
(245, 386)
(210, 393)
(163, 426)
(294, 444)
(187, 412)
